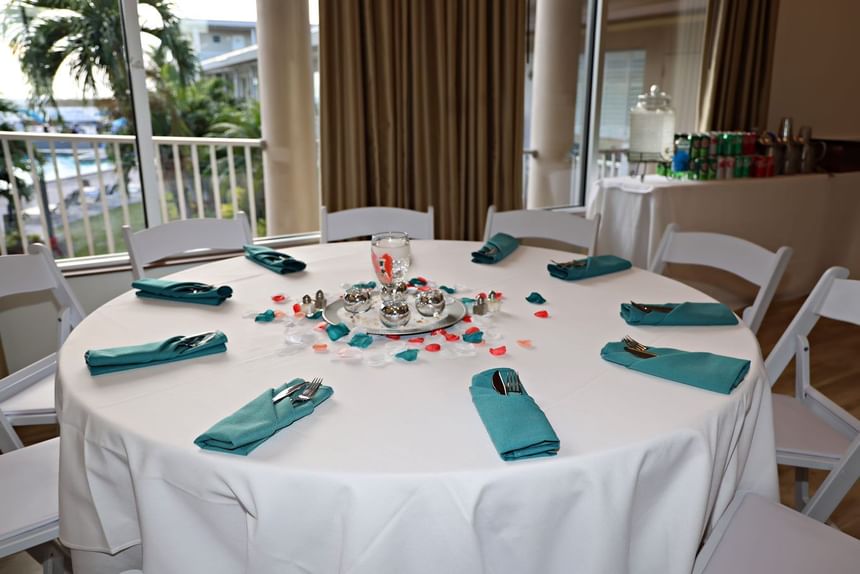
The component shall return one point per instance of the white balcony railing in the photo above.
(197, 177)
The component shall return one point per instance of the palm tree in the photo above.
(87, 35)
(20, 164)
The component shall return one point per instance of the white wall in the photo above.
(816, 77)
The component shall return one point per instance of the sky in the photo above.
(15, 87)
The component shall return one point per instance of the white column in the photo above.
(287, 116)
(557, 40)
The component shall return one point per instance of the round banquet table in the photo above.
(395, 472)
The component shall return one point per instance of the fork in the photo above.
(512, 382)
(636, 348)
(309, 391)
(193, 341)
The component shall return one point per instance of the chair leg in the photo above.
(801, 488)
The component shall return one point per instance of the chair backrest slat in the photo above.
(350, 223)
(737, 256)
(541, 224)
(842, 302)
(24, 274)
(179, 237)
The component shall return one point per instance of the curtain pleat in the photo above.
(422, 104)
(738, 64)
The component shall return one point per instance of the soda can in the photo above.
(713, 145)
(770, 169)
(730, 167)
(739, 167)
(747, 166)
(712, 168)
(749, 143)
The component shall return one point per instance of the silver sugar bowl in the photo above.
(430, 303)
(357, 300)
(394, 313)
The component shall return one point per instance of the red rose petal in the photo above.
(423, 288)
(433, 348)
(525, 343)
(279, 298)
(297, 308)
(542, 314)
(451, 337)
(424, 279)
(498, 294)
(499, 351)
(394, 337)
(471, 330)
(416, 340)
(320, 347)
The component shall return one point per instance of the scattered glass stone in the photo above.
(266, 316)
(407, 355)
(536, 298)
(361, 340)
(335, 332)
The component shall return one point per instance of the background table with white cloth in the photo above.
(817, 215)
(395, 472)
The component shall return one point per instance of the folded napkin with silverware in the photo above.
(273, 260)
(707, 371)
(184, 291)
(274, 409)
(588, 267)
(516, 424)
(179, 348)
(677, 314)
(495, 249)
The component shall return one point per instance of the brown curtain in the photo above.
(422, 104)
(738, 63)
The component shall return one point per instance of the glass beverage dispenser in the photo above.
(652, 126)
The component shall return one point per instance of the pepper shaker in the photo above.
(320, 302)
(493, 302)
(480, 306)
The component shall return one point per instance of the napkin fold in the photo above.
(516, 424)
(495, 249)
(250, 426)
(682, 314)
(184, 291)
(273, 260)
(110, 360)
(594, 266)
(707, 371)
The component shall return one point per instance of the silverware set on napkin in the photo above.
(569, 264)
(650, 308)
(636, 348)
(507, 384)
(306, 391)
(194, 341)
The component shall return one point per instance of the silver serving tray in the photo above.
(369, 320)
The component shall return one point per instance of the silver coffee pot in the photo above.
(811, 152)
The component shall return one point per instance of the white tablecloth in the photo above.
(395, 473)
(816, 215)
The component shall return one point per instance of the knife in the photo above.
(499, 384)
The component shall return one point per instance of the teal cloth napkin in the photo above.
(495, 249)
(594, 266)
(185, 291)
(250, 426)
(273, 260)
(704, 370)
(680, 315)
(101, 361)
(516, 424)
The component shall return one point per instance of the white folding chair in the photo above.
(811, 431)
(757, 535)
(179, 237)
(27, 395)
(537, 223)
(737, 256)
(29, 499)
(350, 223)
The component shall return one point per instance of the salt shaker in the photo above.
(308, 307)
(493, 302)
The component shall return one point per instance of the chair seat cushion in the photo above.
(29, 495)
(36, 399)
(763, 537)
(799, 431)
